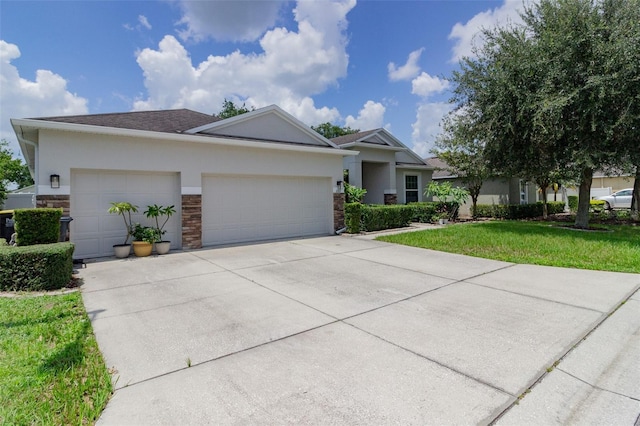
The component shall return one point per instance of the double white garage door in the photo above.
(234, 208)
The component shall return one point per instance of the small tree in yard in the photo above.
(446, 193)
(459, 147)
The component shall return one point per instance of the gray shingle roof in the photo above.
(441, 168)
(166, 121)
(343, 140)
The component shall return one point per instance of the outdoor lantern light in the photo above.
(339, 184)
(55, 181)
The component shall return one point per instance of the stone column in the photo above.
(54, 202)
(191, 221)
(390, 199)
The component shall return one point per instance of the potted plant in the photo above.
(156, 212)
(124, 209)
(143, 239)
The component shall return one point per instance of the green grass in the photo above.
(616, 248)
(51, 371)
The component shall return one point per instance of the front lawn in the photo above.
(51, 371)
(615, 248)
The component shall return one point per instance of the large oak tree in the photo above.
(542, 94)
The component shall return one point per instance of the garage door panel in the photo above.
(250, 208)
(94, 231)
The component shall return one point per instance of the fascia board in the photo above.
(414, 166)
(213, 140)
(371, 145)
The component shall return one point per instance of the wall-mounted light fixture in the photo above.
(55, 181)
(339, 184)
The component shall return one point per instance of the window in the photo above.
(524, 193)
(411, 188)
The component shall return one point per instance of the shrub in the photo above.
(596, 205)
(555, 207)
(424, 212)
(36, 267)
(361, 217)
(37, 226)
(573, 203)
(379, 217)
(517, 211)
(353, 217)
(354, 194)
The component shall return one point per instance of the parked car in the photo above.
(618, 200)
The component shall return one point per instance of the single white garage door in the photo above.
(253, 208)
(94, 231)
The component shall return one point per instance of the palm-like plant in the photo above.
(124, 209)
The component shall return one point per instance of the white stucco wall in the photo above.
(59, 152)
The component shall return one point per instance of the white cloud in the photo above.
(408, 70)
(292, 66)
(426, 85)
(427, 126)
(144, 21)
(21, 98)
(371, 116)
(469, 34)
(227, 20)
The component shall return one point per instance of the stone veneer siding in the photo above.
(390, 199)
(191, 221)
(54, 202)
(338, 211)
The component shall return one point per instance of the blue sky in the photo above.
(365, 64)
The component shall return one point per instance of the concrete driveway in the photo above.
(343, 330)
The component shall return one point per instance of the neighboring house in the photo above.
(23, 198)
(257, 176)
(612, 183)
(493, 191)
(389, 171)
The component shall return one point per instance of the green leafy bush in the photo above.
(517, 211)
(37, 267)
(37, 226)
(573, 203)
(379, 217)
(353, 217)
(424, 212)
(354, 194)
(596, 205)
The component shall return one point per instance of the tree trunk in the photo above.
(635, 198)
(474, 203)
(545, 208)
(584, 197)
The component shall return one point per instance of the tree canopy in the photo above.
(12, 171)
(230, 109)
(557, 95)
(459, 147)
(331, 131)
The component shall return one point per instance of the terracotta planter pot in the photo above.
(163, 247)
(141, 248)
(122, 251)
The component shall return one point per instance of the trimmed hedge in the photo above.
(376, 217)
(36, 267)
(573, 203)
(379, 217)
(37, 226)
(425, 212)
(517, 211)
(353, 217)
